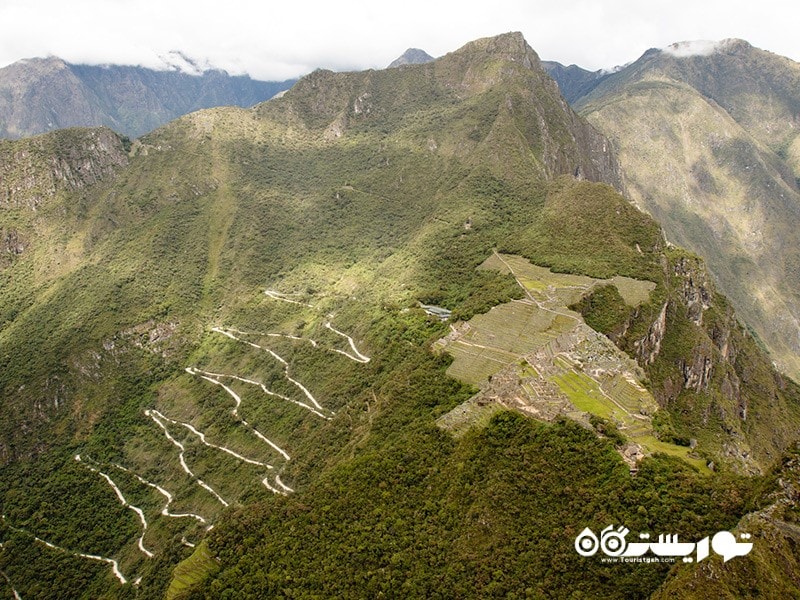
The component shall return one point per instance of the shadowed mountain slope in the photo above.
(573, 81)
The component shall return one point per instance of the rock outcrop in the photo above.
(36, 169)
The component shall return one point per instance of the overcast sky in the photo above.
(278, 40)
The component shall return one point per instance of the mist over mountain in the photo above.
(43, 94)
(393, 333)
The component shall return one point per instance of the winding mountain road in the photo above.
(114, 564)
(277, 357)
(186, 469)
(202, 437)
(212, 378)
(282, 297)
(11, 585)
(164, 511)
(139, 512)
(361, 358)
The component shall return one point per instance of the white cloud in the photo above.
(276, 40)
(694, 48)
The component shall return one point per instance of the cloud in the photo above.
(694, 48)
(277, 40)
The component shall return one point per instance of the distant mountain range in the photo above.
(42, 94)
(574, 81)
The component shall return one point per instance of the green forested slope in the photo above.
(255, 274)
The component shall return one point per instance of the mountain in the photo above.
(412, 56)
(574, 81)
(708, 141)
(224, 369)
(42, 94)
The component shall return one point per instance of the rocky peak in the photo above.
(502, 75)
(412, 56)
(507, 46)
(30, 69)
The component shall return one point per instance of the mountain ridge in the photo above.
(574, 81)
(42, 94)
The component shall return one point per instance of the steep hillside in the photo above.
(217, 379)
(757, 88)
(43, 94)
(770, 569)
(707, 141)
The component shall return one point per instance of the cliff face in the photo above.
(45, 182)
(649, 346)
(35, 170)
(709, 372)
(709, 146)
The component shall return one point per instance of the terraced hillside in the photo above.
(538, 356)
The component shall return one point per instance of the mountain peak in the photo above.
(505, 43)
(32, 67)
(510, 46)
(412, 56)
